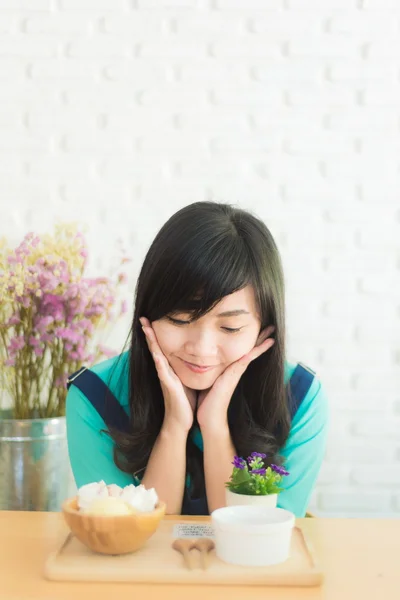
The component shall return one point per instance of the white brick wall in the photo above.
(118, 112)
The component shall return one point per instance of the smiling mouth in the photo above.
(198, 368)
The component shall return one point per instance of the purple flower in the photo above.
(61, 381)
(47, 281)
(67, 333)
(239, 463)
(77, 355)
(42, 323)
(258, 471)
(279, 470)
(124, 307)
(14, 320)
(53, 305)
(16, 344)
(25, 301)
(256, 455)
(13, 260)
(255, 460)
(85, 325)
(47, 338)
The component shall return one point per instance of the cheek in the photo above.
(167, 336)
(237, 346)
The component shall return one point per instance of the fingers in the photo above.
(163, 367)
(152, 343)
(258, 350)
(265, 333)
(150, 336)
(255, 353)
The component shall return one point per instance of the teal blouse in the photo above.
(91, 450)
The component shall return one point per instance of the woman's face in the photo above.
(200, 351)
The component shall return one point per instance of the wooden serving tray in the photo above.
(157, 562)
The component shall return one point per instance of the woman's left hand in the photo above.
(213, 403)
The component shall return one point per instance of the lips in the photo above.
(198, 368)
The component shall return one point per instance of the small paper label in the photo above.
(195, 530)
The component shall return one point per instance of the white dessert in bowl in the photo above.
(113, 520)
(136, 496)
(109, 506)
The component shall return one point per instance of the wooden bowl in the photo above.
(109, 534)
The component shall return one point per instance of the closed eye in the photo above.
(177, 321)
(182, 322)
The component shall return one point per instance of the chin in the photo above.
(198, 382)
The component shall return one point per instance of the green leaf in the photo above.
(240, 475)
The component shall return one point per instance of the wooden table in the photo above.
(360, 558)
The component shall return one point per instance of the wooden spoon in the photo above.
(205, 545)
(184, 546)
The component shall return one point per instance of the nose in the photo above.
(201, 344)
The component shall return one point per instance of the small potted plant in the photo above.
(251, 482)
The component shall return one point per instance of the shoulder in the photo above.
(304, 449)
(315, 404)
(115, 374)
(90, 447)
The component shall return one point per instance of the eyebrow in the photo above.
(233, 313)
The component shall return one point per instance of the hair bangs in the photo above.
(200, 282)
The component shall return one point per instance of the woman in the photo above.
(205, 377)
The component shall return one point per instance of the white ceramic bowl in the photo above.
(252, 535)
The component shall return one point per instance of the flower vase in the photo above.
(35, 472)
(233, 499)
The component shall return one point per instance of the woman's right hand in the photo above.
(179, 400)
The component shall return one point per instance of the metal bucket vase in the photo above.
(35, 473)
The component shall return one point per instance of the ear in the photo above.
(265, 334)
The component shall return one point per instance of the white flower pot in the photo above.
(233, 499)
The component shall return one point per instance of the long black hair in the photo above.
(204, 252)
